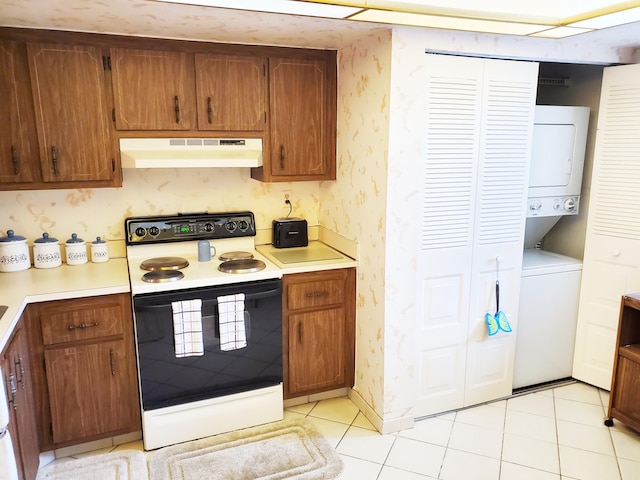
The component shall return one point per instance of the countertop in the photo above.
(17, 289)
(312, 258)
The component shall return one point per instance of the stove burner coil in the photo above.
(242, 266)
(164, 263)
(162, 276)
(225, 257)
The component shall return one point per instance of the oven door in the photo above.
(167, 380)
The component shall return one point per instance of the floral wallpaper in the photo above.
(101, 211)
(355, 205)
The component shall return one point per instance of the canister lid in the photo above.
(75, 239)
(98, 240)
(46, 239)
(11, 237)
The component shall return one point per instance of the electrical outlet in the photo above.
(286, 196)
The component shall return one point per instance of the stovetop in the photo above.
(178, 235)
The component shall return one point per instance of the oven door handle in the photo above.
(248, 297)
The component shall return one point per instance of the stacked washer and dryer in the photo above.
(550, 284)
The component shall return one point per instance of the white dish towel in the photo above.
(187, 328)
(233, 335)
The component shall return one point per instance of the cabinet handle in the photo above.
(13, 389)
(54, 160)
(176, 103)
(19, 369)
(15, 161)
(300, 331)
(281, 157)
(317, 294)
(209, 110)
(112, 356)
(82, 325)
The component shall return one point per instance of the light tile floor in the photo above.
(547, 435)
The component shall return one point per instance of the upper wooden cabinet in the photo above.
(153, 90)
(72, 96)
(157, 90)
(231, 92)
(19, 161)
(302, 106)
(73, 114)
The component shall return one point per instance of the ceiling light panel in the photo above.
(561, 32)
(290, 7)
(449, 23)
(555, 12)
(610, 20)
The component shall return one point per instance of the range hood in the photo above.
(190, 152)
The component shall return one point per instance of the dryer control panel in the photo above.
(553, 206)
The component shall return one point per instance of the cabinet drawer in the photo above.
(67, 323)
(315, 293)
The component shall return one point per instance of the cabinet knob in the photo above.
(615, 252)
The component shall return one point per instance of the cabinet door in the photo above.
(153, 90)
(16, 372)
(18, 142)
(300, 123)
(231, 92)
(72, 111)
(89, 390)
(316, 350)
(612, 254)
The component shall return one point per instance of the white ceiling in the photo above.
(156, 19)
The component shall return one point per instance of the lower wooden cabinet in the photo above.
(85, 377)
(16, 372)
(624, 401)
(319, 331)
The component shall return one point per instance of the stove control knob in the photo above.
(140, 232)
(243, 225)
(208, 227)
(230, 226)
(154, 231)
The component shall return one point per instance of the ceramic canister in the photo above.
(46, 252)
(14, 253)
(76, 250)
(99, 252)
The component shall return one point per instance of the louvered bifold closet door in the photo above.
(509, 99)
(453, 110)
(612, 247)
(478, 137)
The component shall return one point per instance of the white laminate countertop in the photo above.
(17, 289)
(312, 258)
